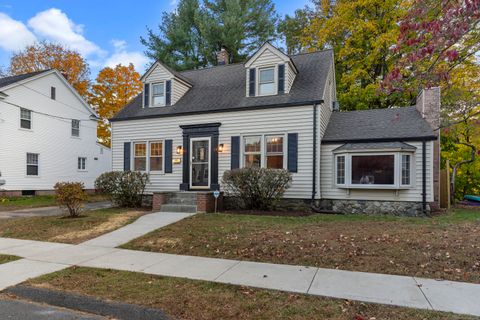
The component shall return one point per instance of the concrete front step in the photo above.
(182, 201)
(179, 208)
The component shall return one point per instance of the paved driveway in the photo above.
(49, 211)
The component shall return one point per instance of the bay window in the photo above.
(386, 170)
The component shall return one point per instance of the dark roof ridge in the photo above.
(377, 109)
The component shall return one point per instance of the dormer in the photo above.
(162, 86)
(269, 72)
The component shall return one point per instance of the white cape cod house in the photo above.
(277, 111)
(48, 133)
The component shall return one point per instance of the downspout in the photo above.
(424, 177)
(314, 167)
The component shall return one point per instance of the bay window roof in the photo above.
(375, 146)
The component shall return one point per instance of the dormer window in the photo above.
(266, 81)
(158, 94)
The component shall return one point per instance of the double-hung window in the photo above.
(252, 151)
(25, 118)
(75, 128)
(266, 81)
(140, 156)
(406, 171)
(156, 156)
(82, 163)
(340, 165)
(158, 94)
(274, 152)
(32, 164)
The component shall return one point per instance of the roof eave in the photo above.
(391, 139)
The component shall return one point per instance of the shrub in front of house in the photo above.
(125, 188)
(70, 195)
(257, 188)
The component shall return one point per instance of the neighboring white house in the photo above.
(278, 111)
(48, 133)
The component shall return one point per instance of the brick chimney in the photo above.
(223, 56)
(428, 104)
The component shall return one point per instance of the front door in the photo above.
(200, 163)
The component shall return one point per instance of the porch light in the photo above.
(220, 148)
(179, 150)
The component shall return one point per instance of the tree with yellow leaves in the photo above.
(44, 55)
(114, 88)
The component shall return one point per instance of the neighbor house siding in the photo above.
(266, 121)
(330, 191)
(50, 137)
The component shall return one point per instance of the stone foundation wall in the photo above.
(396, 208)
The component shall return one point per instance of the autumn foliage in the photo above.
(114, 88)
(45, 55)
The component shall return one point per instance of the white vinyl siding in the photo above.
(243, 123)
(412, 193)
(50, 138)
(178, 90)
(161, 74)
(289, 77)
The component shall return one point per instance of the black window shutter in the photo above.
(168, 92)
(251, 83)
(235, 153)
(146, 94)
(126, 156)
(281, 79)
(292, 152)
(168, 156)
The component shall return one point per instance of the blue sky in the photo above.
(105, 32)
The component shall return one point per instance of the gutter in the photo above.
(424, 177)
(249, 108)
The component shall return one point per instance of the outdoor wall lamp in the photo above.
(220, 148)
(179, 150)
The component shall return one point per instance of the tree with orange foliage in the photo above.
(46, 55)
(114, 88)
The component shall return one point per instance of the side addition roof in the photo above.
(402, 124)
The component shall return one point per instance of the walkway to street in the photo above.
(43, 257)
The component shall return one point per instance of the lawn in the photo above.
(7, 258)
(89, 225)
(445, 247)
(190, 299)
(14, 203)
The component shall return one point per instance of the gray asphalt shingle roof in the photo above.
(5, 81)
(362, 146)
(377, 124)
(223, 88)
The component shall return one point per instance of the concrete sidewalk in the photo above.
(404, 291)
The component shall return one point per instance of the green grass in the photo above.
(444, 247)
(192, 299)
(7, 258)
(89, 225)
(13, 203)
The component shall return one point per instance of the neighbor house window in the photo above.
(140, 156)
(274, 152)
(25, 119)
(252, 151)
(158, 94)
(340, 169)
(406, 169)
(53, 93)
(266, 81)
(75, 128)
(373, 169)
(156, 156)
(32, 164)
(82, 163)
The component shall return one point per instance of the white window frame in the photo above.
(411, 168)
(397, 170)
(283, 153)
(150, 156)
(79, 167)
(275, 81)
(344, 169)
(32, 164)
(263, 148)
(29, 119)
(164, 94)
(72, 128)
(133, 155)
